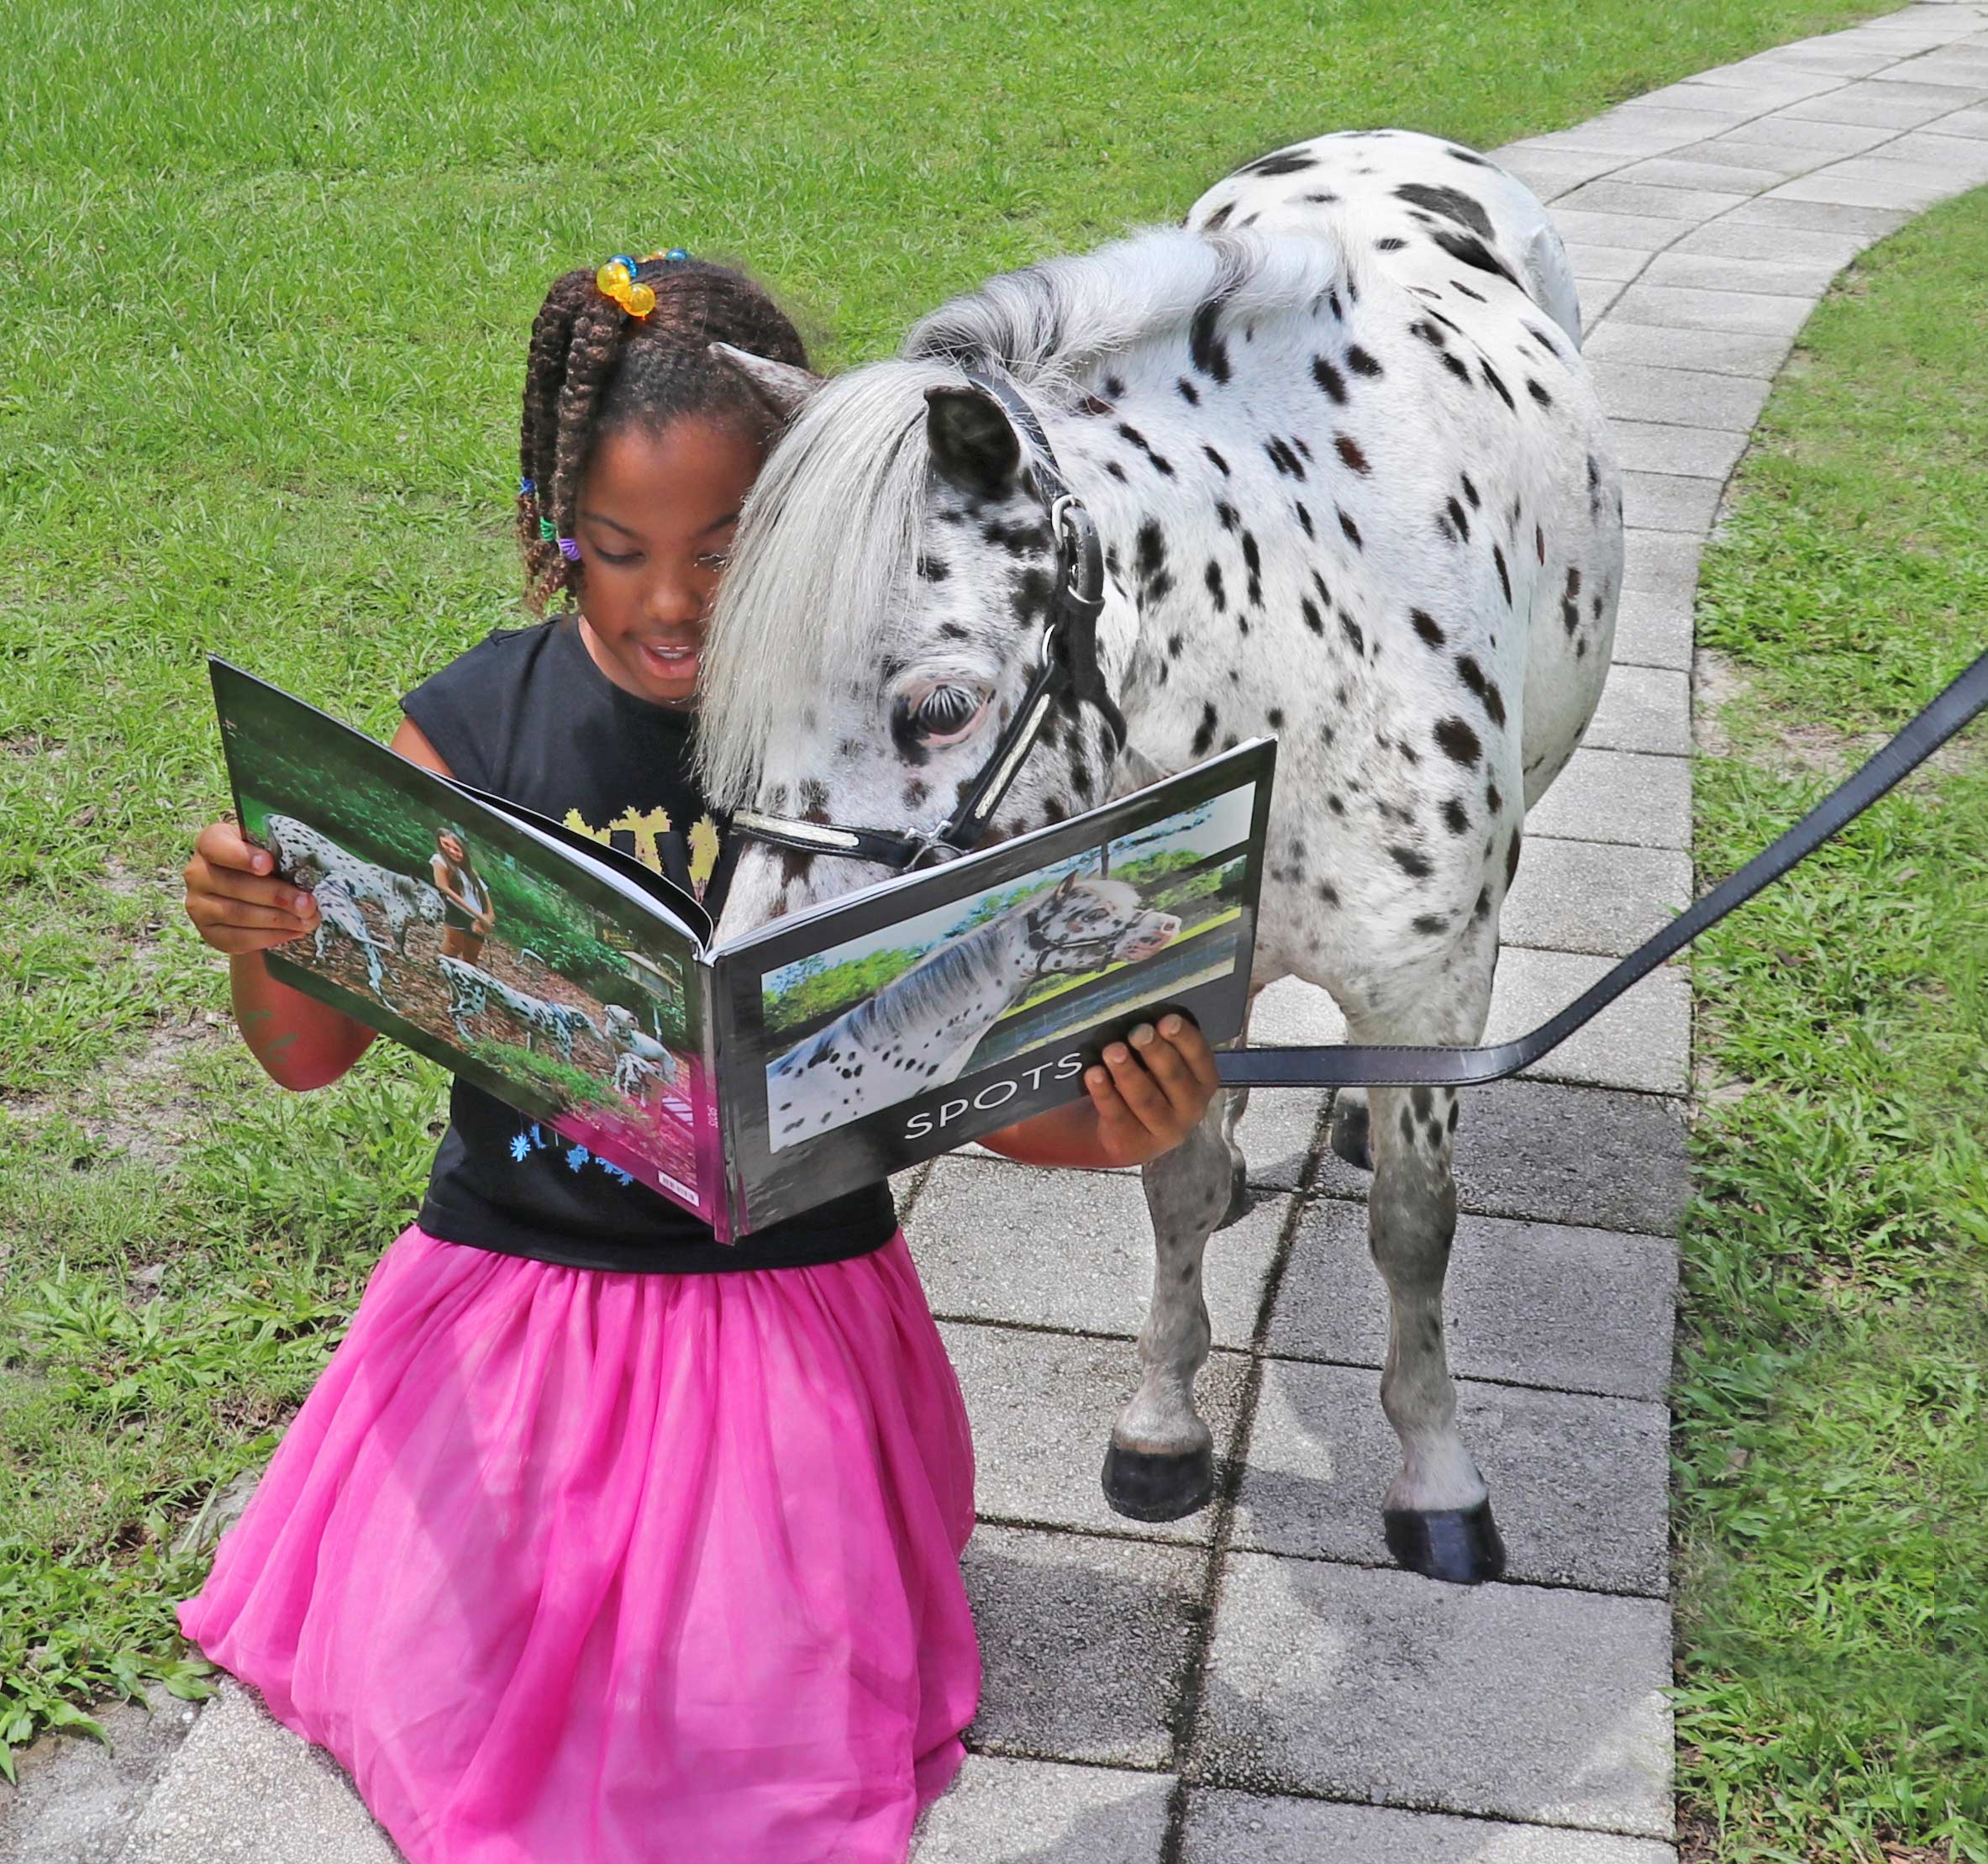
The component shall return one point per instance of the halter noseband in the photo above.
(1067, 665)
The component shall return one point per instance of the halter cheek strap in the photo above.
(1069, 664)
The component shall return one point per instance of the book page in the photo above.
(532, 971)
(913, 1017)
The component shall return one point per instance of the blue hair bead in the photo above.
(623, 259)
(676, 252)
(526, 487)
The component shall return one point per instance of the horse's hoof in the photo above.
(1459, 1544)
(1145, 1485)
(1349, 1133)
(1238, 1196)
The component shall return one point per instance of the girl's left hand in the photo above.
(1151, 1093)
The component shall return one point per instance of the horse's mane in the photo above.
(830, 533)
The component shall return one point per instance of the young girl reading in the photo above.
(598, 1542)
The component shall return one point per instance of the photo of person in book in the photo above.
(469, 918)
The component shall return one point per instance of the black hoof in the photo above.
(1349, 1133)
(1145, 1487)
(1239, 1201)
(1459, 1544)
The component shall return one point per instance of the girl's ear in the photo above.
(781, 386)
(972, 443)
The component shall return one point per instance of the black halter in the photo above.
(1067, 665)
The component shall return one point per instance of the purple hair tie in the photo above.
(569, 548)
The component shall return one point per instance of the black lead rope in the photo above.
(1398, 1065)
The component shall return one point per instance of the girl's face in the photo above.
(452, 848)
(657, 510)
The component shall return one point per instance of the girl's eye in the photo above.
(602, 556)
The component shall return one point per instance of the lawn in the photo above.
(266, 275)
(1831, 1450)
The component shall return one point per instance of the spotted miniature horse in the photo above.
(1355, 491)
(920, 1031)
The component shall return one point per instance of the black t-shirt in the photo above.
(527, 716)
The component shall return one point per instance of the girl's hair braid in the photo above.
(593, 368)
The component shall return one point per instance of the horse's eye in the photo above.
(946, 714)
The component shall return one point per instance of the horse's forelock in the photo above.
(824, 550)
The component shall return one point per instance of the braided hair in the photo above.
(593, 367)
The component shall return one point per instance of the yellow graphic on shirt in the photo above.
(644, 829)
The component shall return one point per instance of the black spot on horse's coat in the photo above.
(1189, 393)
(1544, 339)
(1458, 518)
(1304, 517)
(1286, 161)
(1452, 203)
(1476, 297)
(915, 793)
(1470, 496)
(1206, 350)
(1116, 471)
(1204, 732)
(1472, 676)
(1213, 579)
(1320, 197)
(1348, 449)
(1313, 620)
(1481, 910)
(1504, 575)
(1539, 393)
(1351, 629)
(1219, 219)
(1389, 245)
(1455, 818)
(1226, 515)
(1031, 595)
(1215, 460)
(1457, 366)
(1275, 719)
(1473, 251)
(1425, 627)
(1335, 805)
(1332, 299)
(1458, 741)
(1327, 892)
(1492, 800)
(1449, 1124)
(1427, 332)
(1411, 863)
(1571, 601)
(1539, 543)
(1133, 437)
(1493, 377)
(1282, 458)
(1149, 557)
(1350, 529)
(1359, 362)
(933, 569)
(1253, 562)
(1329, 380)
(1017, 539)
(1429, 924)
(1174, 644)
(1114, 386)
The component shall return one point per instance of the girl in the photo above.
(598, 1542)
(466, 901)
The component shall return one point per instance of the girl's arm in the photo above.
(1152, 1097)
(240, 905)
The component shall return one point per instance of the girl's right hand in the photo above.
(236, 898)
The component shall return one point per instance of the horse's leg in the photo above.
(1436, 1512)
(1238, 1099)
(1350, 1128)
(1160, 1464)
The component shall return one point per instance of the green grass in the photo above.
(1832, 1441)
(266, 275)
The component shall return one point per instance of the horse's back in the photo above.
(1386, 176)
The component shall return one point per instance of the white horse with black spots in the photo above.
(1355, 491)
(638, 1058)
(472, 990)
(920, 1031)
(310, 856)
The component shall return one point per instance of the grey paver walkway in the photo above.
(1255, 1685)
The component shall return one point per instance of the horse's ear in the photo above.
(783, 388)
(972, 443)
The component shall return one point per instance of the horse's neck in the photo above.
(985, 969)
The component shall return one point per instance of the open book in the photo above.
(752, 1080)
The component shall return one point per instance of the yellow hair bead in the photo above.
(613, 278)
(639, 302)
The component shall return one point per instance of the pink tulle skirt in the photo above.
(570, 1567)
